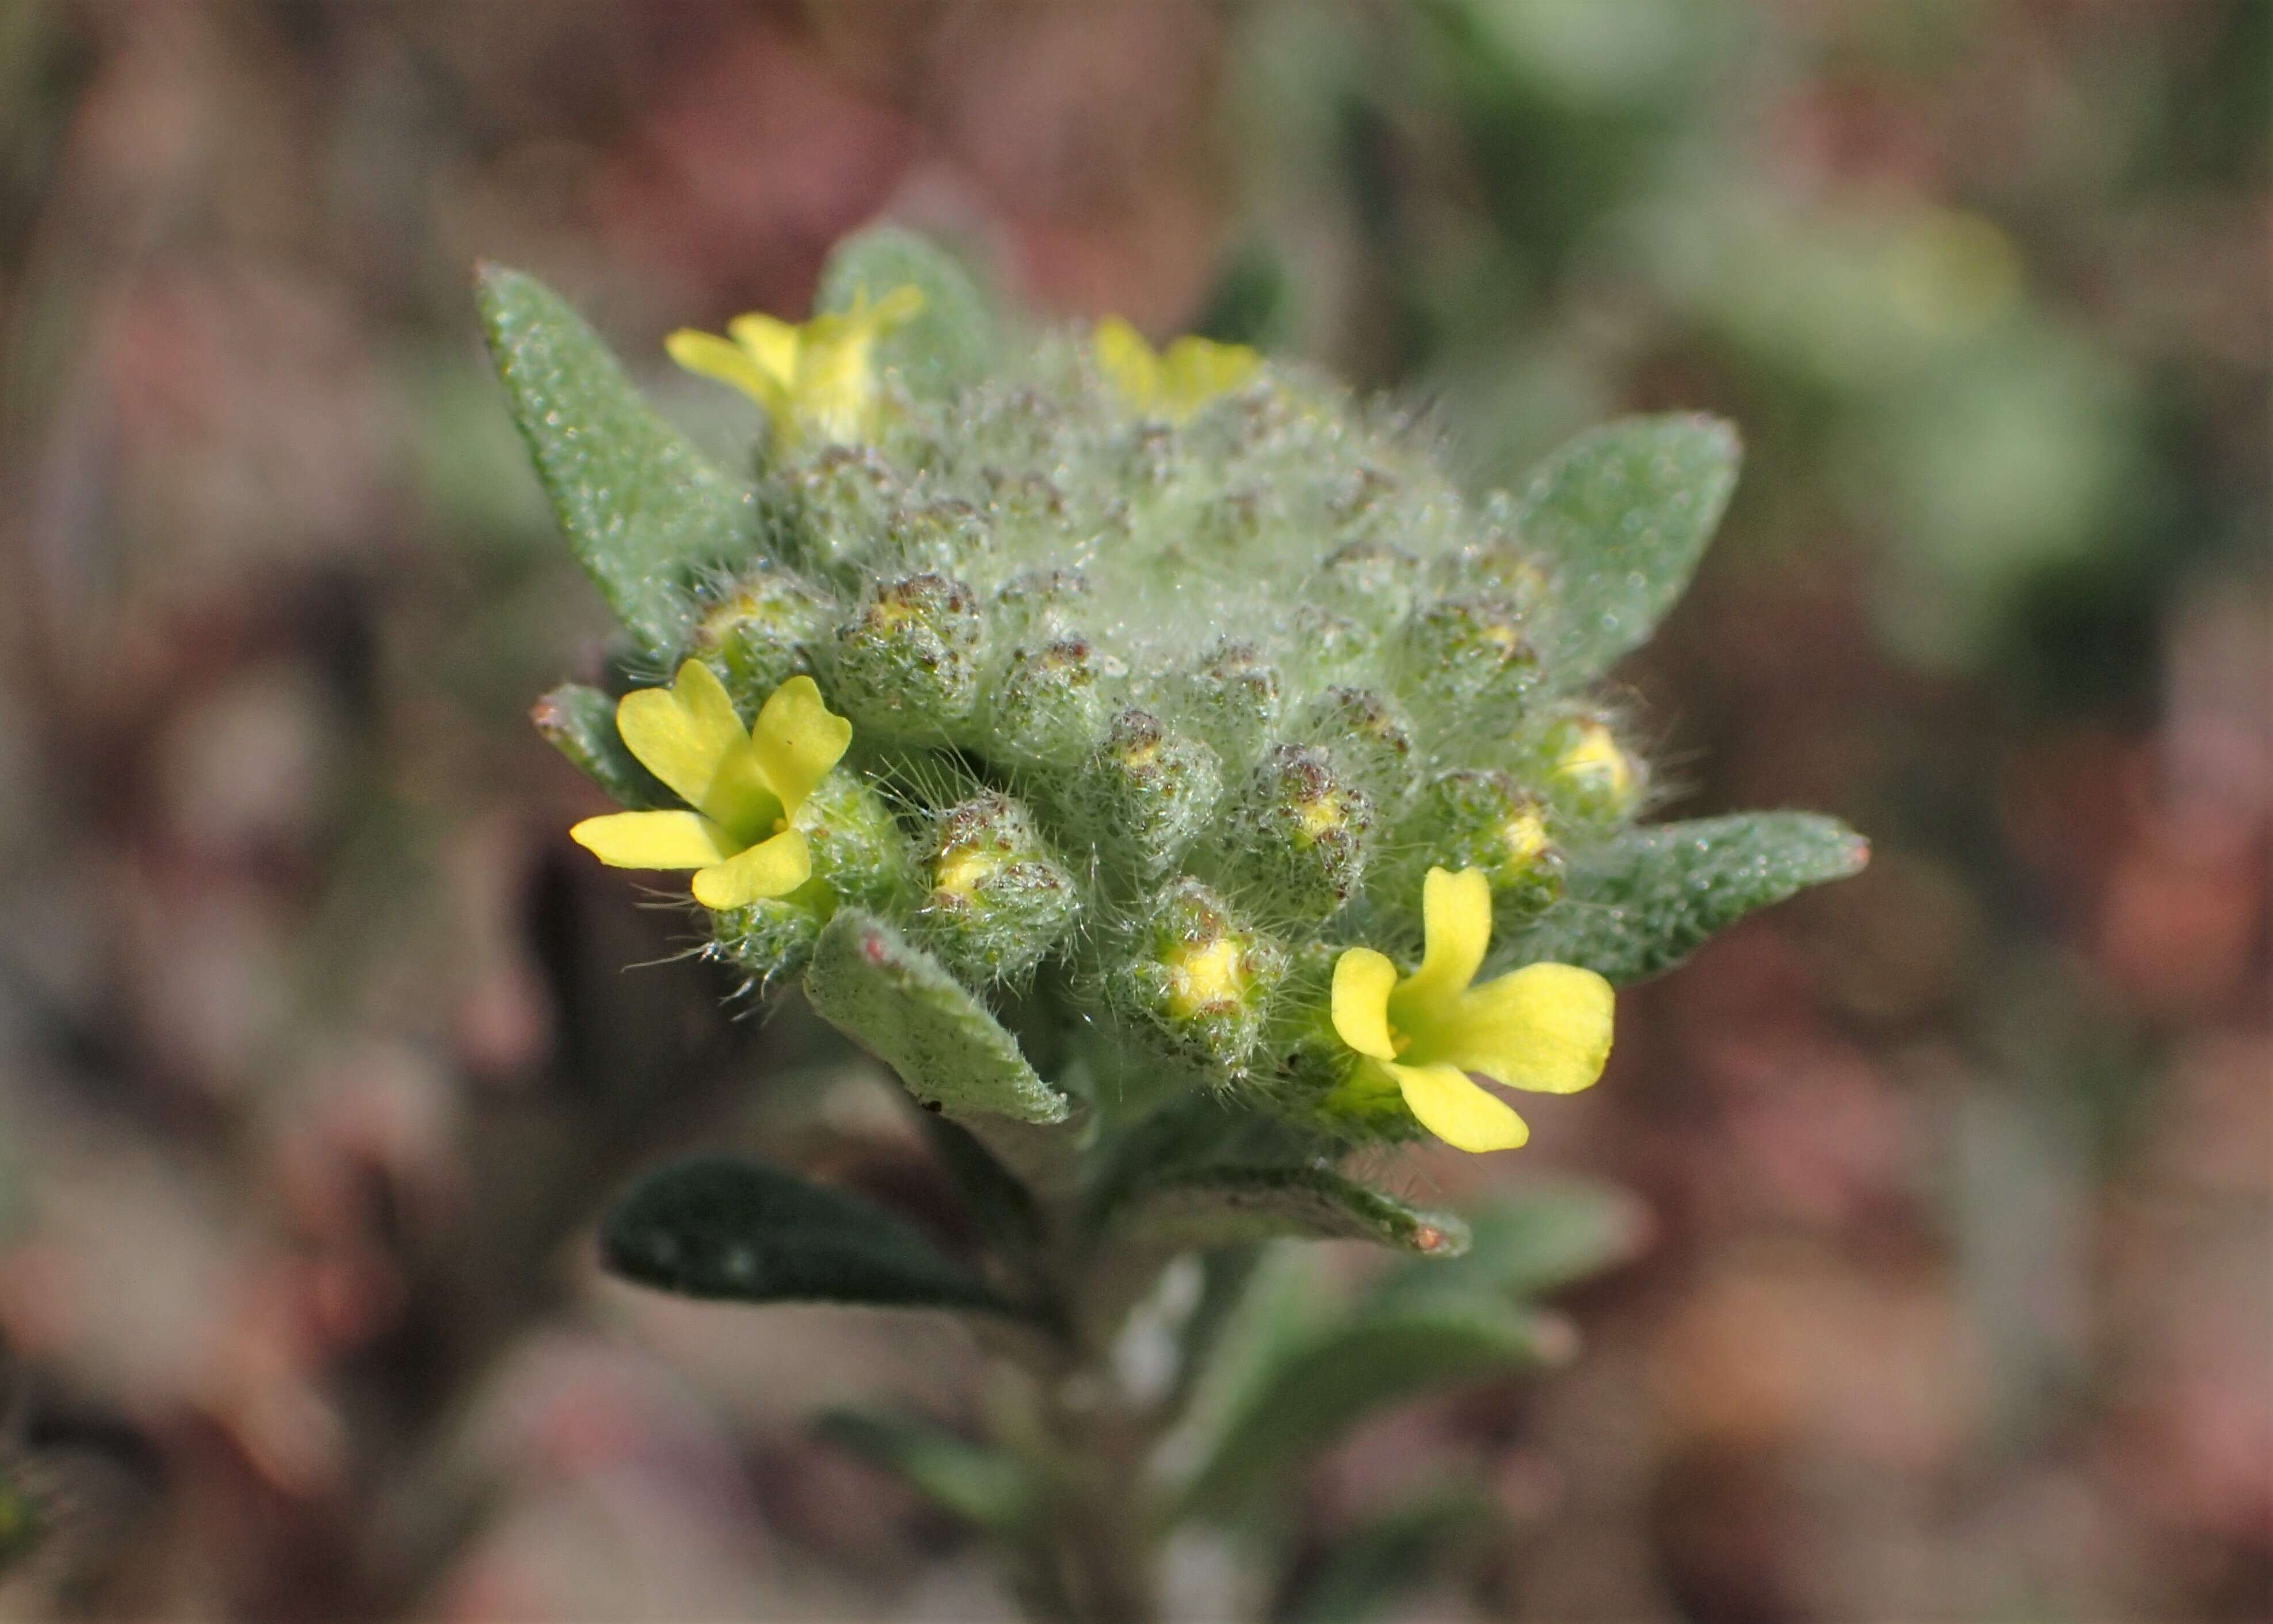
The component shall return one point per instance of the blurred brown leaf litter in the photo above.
(319, 1047)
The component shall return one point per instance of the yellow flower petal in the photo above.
(1456, 914)
(1129, 361)
(797, 740)
(836, 389)
(772, 868)
(653, 841)
(771, 344)
(684, 734)
(1363, 979)
(1545, 1028)
(1195, 371)
(1456, 1111)
(712, 357)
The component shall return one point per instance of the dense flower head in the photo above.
(1187, 696)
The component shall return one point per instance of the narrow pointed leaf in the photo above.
(640, 505)
(1645, 901)
(982, 1487)
(901, 1005)
(1314, 1395)
(1542, 1235)
(950, 341)
(723, 1228)
(1229, 1207)
(581, 723)
(1626, 510)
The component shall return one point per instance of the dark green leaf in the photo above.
(1323, 1388)
(724, 1227)
(982, 1485)
(641, 506)
(901, 1005)
(1625, 510)
(581, 723)
(951, 342)
(1228, 1207)
(1645, 901)
(1003, 1208)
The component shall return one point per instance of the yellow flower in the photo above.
(1176, 384)
(815, 379)
(1545, 1028)
(744, 788)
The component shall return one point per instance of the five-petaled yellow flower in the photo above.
(1545, 1028)
(1175, 383)
(745, 786)
(815, 379)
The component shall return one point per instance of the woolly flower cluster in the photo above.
(1178, 703)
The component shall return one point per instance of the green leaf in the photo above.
(641, 506)
(1230, 1206)
(1332, 1382)
(982, 1487)
(951, 342)
(1645, 901)
(1544, 1234)
(901, 1005)
(723, 1228)
(580, 724)
(1626, 510)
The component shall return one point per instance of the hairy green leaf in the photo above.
(1330, 1383)
(1645, 901)
(952, 341)
(982, 1487)
(580, 724)
(719, 1227)
(901, 1004)
(640, 505)
(1229, 1207)
(1626, 510)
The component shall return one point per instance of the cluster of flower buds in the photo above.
(1147, 689)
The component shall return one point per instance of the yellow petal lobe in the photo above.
(1456, 1111)
(798, 740)
(1456, 914)
(710, 356)
(1362, 980)
(1545, 1028)
(771, 344)
(653, 840)
(772, 868)
(1195, 371)
(683, 733)
(1129, 361)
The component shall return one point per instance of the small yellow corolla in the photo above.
(744, 788)
(813, 380)
(1545, 1028)
(1176, 383)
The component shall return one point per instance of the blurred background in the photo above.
(320, 1047)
